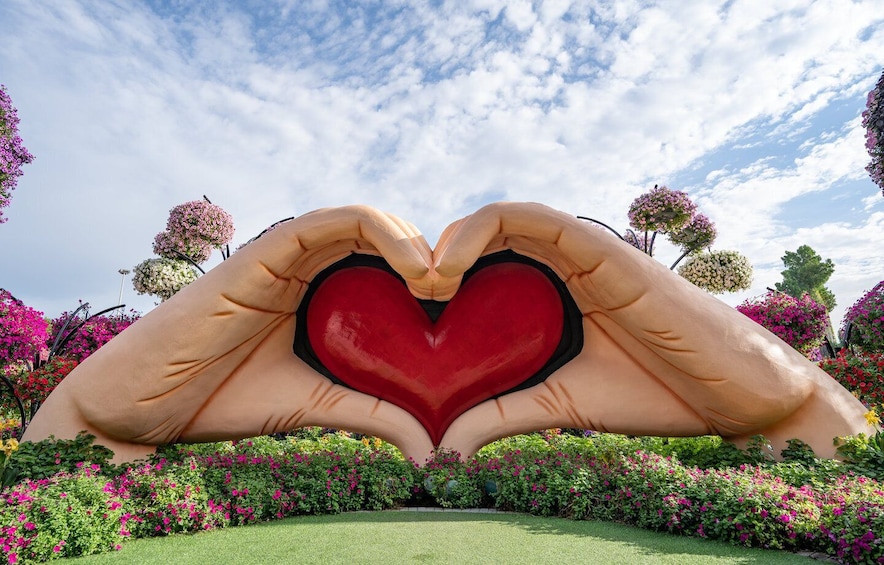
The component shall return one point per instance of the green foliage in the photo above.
(449, 482)
(862, 375)
(799, 503)
(63, 516)
(807, 272)
(864, 454)
(38, 460)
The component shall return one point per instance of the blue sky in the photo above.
(428, 110)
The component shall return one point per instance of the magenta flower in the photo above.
(866, 318)
(873, 121)
(800, 322)
(23, 331)
(12, 153)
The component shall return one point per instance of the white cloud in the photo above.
(424, 111)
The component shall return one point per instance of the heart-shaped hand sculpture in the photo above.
(659, 356)
(499, 330)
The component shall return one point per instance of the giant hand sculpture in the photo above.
(659, 356)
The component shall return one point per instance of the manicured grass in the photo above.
(435, 537)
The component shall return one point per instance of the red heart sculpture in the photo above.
(499, 330)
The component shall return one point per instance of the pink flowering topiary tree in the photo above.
(873, 121)
(671, 213)
(865, 322)
(192, 231)
(12, 153)
(800, 322)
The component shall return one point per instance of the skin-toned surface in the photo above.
(661, 356)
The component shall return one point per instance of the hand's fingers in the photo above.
(357, 223)
(603, 389)
(161, 371)
(732, 375)
(470, 239)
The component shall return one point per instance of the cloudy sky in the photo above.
(428, 110)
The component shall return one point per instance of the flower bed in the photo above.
(818, 505)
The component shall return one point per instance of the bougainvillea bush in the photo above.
(23, 333)
(873, 121)
(12, 153)
(800, 322)
(866, 320)
(91, 335)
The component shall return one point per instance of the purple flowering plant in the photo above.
(12, 153)
(866, 321)
(873, 121)
(800, 322)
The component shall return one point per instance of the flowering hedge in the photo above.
(866, 318)
(873, 121)
(162, 277)
(94, 333)
(193, 488)
(12, 153)
(800, 322)
(863, 375)
(718, 271)
(23, 332)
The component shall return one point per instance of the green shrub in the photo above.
(42, 459)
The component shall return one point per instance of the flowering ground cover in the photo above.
(803, 504)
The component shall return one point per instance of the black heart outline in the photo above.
(570, 343)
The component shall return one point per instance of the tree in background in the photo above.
(12, 153)
(192, 231)
(674, 215)
(807, 272)
(873, 121)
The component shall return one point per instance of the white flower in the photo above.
(162, 277)
(718, 271)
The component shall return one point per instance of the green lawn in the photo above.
(434, 537)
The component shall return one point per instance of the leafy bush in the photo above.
(23, 331)
(863, 375)
(802, 503)
(43, 459)
(65, 515)
(800, 322)
(33, 387)
(93, 334)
